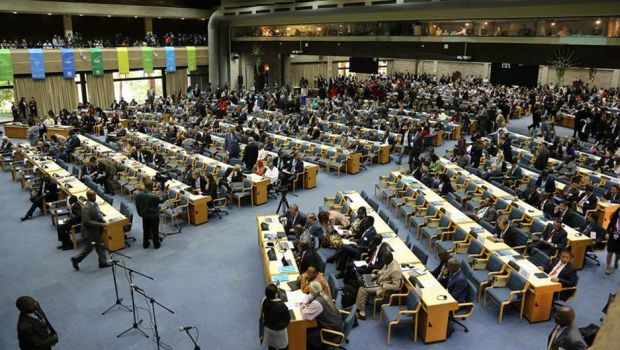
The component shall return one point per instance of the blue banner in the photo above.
(37, 65)
(171, 64)
(68, 63)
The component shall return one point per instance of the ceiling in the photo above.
(195, 4)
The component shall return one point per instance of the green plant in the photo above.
(561, 60)
(592, 74)
(257, 53)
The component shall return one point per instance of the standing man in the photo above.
(147, 205)
(34, 330)
(565, 334)
(231, 143)
(92, 228)
(250, 154)
(32, 107)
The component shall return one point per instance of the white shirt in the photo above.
(262, 154)
(557, 269)
(272, 174)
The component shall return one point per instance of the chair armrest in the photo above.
(396, 295)
(480, 264)
(461, 248)
(470, 311)
(500, 281)
(324, 331)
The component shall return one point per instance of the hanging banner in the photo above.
(6, 65)
(96, 61)
(68, 63)
(37, 65)
(147, 59)
(171, 65)
(191, 58)
(123, 60)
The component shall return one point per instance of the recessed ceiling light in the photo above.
(81, 15)
(182, 18)
(485, 23)
(135, 16)
(49, 13)
(598, 21)
(109, 16)
(15, 12)
(158, 17)
(203, 19)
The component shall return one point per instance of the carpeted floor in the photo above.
(212, 277)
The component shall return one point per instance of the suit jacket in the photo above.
(366, 239)
(569, 339)
(147, 205)
(51, 190)
(231, 143)
(547, 207)
(590, 203)
(296, 167)
(458, 287)
(559, 238)
(281, 163)
(378, 264)
(305, 260)
(447, 188)
(509, 237)
(549, 185)
(614, 198)
(567, 277)
(92, 222)
(593, 230)
(316, 230)
(390, 276)
(533, 199)
(34, 335)
(516, 172)
(202, 183)
(541, 160)
(250, 154)
(291, 220)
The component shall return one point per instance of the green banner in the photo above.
(147, 59)
(96, 60)
(191, 58)
(6, 65)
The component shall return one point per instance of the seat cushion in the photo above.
(390, 312)
(445, 245)
(480, 275)
(325, 253)
(500, 294)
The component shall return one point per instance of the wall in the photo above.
(604, 77)
(21, 59)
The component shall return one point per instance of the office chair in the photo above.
(220, 203)
(128, 213)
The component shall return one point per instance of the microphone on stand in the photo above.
(186, 328)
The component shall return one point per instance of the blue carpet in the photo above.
(212, 277)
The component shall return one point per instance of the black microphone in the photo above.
(136, 287)
(186, 328)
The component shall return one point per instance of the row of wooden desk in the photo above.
(259, 183)
(539, 296)
(576, 241)
(19, 130)
(197, 204)
(113, 234)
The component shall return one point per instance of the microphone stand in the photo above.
(119, 301)
(160, 344)
(196, 347)
(136, 323)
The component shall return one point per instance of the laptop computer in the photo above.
(368, 281)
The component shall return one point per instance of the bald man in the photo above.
(34, 330)
(565, 334)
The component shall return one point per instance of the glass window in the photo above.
(6, 97)
(343, 69)
(135, 84)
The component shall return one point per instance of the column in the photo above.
(329, 66)
(544, 75)
(615, 78)
(148, 25)
(67, 24)
(486, 71)
(435, 67)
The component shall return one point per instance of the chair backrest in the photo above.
(419, 252)
(444, 221)
(75, 171)
(501, 204)
(247, 183)
(331, 281)
(126, 211)
(475, 247)
(392, 225)
(537, 226)
(413, 300)
(384, 216)
(495, 264)
(539, 258)
(345, 208)
(107, 198)
(460, 234)
(364, 195)
(349, 322)
(521, 237)
(516, 281)
(516, 214)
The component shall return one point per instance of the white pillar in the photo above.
(615, 78)
(435, 67)
(544, 75)
(148, 25)
(486, 71)
(67, 24)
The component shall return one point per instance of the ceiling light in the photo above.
(49, 13)
(485, 23)
(182, 18)
(319, 29)
(598, 21)
(466, 24)
(158, 17)
(553, 23)
(109, 16)
(135, 16)
(203, 19)
(15, 12)
(81, 15)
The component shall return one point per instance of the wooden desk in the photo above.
(19, 131)
(297, 328)
(353, 163)
(113, 235)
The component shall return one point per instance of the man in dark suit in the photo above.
(553, 238)
(305, 256)
(47, 192)
(70, 145)
(231, 143)
(63, 228)
(546, 204)
(542, 158)
(545, 182)
(139, 155)
(562, 270)
(571, 192)
(89, 168)
(505, 233)
(295, 166)
(147, 206)
(373, 260)
(592, 228)
(250, 154)
(357, 247)
(532, 198)
(198, 183)
(565, 334)
(34, 330)
(293, 217)
(587, 200)
(456, 282)
(281, 161)
(564, 212)
(313, 228)
(614, 194)
(92, 227)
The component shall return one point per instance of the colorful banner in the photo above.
(123, 60)
(147, 59)
(68, 63)
(6, 65)
(171, 65)
(191, 58)
(37, 64)
(96, 61)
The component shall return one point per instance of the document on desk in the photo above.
(347, 242)
(295, 298)
(360, 263)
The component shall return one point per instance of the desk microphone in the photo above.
(186, 328)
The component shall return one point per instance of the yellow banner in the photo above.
(123, 60)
